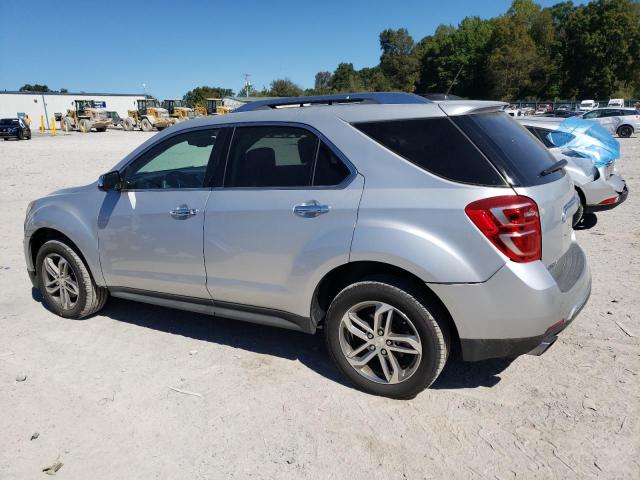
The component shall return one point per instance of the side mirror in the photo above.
(110, 181)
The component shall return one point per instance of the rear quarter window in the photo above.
(437, 146)
(510, 147)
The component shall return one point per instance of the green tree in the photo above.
(398, 61)
(284, 87)
(346, 79)
(602, 49)
(323, 83)
(34, 88)
(199, 95)
(460, 51)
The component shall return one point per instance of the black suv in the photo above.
(14, 128)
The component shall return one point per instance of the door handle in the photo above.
(183, 212)
(310, 209)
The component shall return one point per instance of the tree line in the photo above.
(565, 51)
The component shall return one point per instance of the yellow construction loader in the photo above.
(178, 110)
(85, 116)
(215, 106)
(148, 116)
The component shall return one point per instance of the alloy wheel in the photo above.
(380, 342)
(60, 281)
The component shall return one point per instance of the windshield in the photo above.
(153, 104)
(9, 121)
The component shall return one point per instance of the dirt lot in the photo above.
(272, 405)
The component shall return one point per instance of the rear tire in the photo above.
(74, 296)
(625, 131)
(127, 124)
(146, 125)
(412, 365)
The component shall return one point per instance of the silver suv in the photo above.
(403, 228)
(627, 120)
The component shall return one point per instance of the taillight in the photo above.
(511, 223)
(609, 201)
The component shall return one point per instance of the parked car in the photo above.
(399, 226)
(587, 105)
(544, 108)
(599, 188)
(562, 114)
(563, 108)
(513, 110)
(624, 121)
(616, 102)
(14, 128)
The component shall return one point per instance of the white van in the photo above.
(587, 105)
(616, 102)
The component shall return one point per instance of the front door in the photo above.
(287, 210)
(150, 233)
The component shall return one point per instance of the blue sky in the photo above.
(173, 46)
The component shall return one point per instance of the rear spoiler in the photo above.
(468, 107)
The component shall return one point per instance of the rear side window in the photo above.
(437, 146)
(271, 157)
(329, 168)
(513, 150)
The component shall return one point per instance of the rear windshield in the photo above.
(513, 150)
(437, 146)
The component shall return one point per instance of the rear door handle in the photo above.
(310, 209)
(183, 211)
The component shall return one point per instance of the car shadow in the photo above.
(309, 350)
(588, 221)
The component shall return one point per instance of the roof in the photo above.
(72, 94)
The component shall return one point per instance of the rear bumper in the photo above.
(622, 196)
(520, 308)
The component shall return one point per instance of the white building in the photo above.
(34, 104)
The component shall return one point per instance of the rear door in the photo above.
(286, 211)
(522, 158)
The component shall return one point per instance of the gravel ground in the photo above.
(272, 405)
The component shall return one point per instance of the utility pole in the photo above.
(247, 84)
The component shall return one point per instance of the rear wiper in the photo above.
(554, 168)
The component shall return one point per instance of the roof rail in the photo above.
(365, 97)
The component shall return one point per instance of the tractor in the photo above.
(85, 116)
(216, 107)
(148, 115)
(178, 110)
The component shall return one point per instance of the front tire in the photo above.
(65, 282)
(146, 125)
(387, 339)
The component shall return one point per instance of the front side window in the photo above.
(271, 156)
(591, 115)
(179, 162)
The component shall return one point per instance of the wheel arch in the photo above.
(343, 275)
